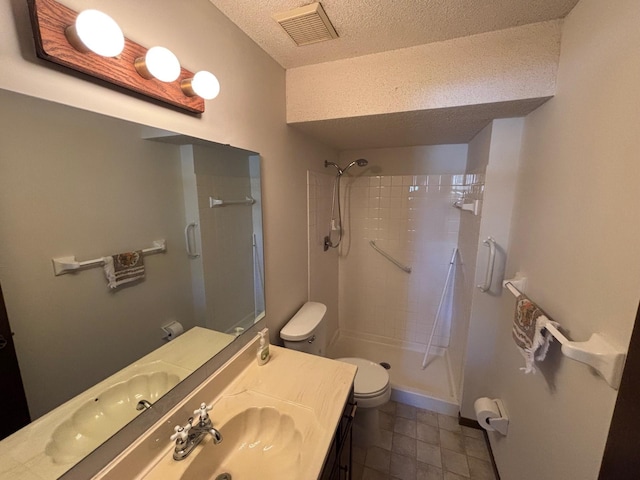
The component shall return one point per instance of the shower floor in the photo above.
(431, 388)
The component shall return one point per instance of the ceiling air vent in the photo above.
(306, 25)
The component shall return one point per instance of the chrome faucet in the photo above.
(189, 437)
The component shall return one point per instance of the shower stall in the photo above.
(396, 237)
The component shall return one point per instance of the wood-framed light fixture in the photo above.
(57, 40)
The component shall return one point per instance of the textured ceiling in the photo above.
(373, 26)
(370, 26)
(421, 127)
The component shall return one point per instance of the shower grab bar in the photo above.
(491, 243)
(62, 265)
(218, 202)
(596, 352)
(191, 253)
(389, 257)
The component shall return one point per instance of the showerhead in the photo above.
(361, 162)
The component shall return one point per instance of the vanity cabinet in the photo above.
(338, 463)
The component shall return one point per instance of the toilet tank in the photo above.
(306, 331)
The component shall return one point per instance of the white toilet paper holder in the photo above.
(172, 330)
(500, 423)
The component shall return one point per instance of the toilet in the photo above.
(306, 332)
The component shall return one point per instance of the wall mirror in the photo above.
(79, 184)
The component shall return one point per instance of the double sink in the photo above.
(276, 421)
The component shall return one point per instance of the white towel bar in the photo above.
(596, 352)
(62, 265)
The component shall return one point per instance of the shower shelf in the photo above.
(596, 352)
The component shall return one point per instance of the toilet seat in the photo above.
(371, 381)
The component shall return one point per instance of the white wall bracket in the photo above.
(472, 206)
(595, 352)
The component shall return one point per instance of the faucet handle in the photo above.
(182, 433)
(202, 411)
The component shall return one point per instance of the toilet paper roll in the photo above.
(172, 330)
(486, 409)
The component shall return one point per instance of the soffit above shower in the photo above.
(371, 26)
(421, 127)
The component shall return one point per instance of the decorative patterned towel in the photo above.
(529, 332)
(124, 268)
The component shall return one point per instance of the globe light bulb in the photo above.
(95, 31)
(159, 63)
(203, 84)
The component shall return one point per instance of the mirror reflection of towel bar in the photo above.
(62, 265)
(218, 202)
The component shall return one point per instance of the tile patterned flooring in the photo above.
(419, 444)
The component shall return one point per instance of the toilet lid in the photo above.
(371, 378)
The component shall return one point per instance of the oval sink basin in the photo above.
(102, 416)
(260, 442)
(263, 437)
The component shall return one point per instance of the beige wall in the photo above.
(497, 153)
(417, 160)
(575, 235)
(468, 235)
(250, 113)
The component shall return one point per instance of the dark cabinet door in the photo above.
(337, 465)
(14, 413)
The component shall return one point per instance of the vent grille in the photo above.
(307, 25)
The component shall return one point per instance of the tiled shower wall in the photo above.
(412, 219)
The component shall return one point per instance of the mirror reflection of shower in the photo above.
(335, 221)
